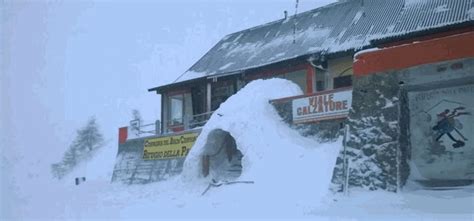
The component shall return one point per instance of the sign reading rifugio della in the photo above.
(322, 107)
(169, 147)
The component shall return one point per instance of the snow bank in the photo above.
(290, 172)
(455, 204)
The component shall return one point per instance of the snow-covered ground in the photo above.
(172, 200)
(291, 177)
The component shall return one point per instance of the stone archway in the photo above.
(221, 160)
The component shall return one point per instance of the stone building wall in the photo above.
(377, 149)
(372, 145)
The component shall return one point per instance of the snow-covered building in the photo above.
(395, 77)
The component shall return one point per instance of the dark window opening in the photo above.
(343, 81)
(320, 86)
(220, 91)
(198, 96)
(320, 80)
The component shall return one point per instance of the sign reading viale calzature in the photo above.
(322, 107)
(169, 147)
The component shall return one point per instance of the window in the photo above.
(220, 92)
(297, 77)
(343, 81)
(320, 80)
(176, 103)
(178, 111)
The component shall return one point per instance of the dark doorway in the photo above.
(221, 159)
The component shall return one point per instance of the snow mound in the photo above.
(285, 166)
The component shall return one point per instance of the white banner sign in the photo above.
(322, 107)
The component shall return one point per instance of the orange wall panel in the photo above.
(417, 53)
(123, 134)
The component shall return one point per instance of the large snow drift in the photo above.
(279, 161)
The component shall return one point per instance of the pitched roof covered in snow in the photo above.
(338, 27)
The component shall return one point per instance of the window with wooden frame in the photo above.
(301, 74)
(176, 109)
(297, 77)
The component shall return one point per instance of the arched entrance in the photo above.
(221, 160)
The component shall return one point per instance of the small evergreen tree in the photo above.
(87, 141)
(58, 170)
(88, 138)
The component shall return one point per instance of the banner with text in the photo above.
(169, 147)
(322, 106)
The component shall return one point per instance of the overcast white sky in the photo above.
(64, 61)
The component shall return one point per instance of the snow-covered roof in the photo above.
(337, 27)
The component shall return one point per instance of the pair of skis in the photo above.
(215, 183)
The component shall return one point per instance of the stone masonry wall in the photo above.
(372, 145)
(377, 149)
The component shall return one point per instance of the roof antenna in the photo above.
(294, 22)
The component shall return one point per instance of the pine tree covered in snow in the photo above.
(87, 141)
(88, 138)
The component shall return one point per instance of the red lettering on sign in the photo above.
(344, 105)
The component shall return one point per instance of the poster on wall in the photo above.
(322, 106)
(442, 133)
(168, 147)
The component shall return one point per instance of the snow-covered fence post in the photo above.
(346, 179)
(157, 127)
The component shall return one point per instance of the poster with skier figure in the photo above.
(442, 133)
(448, 123)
